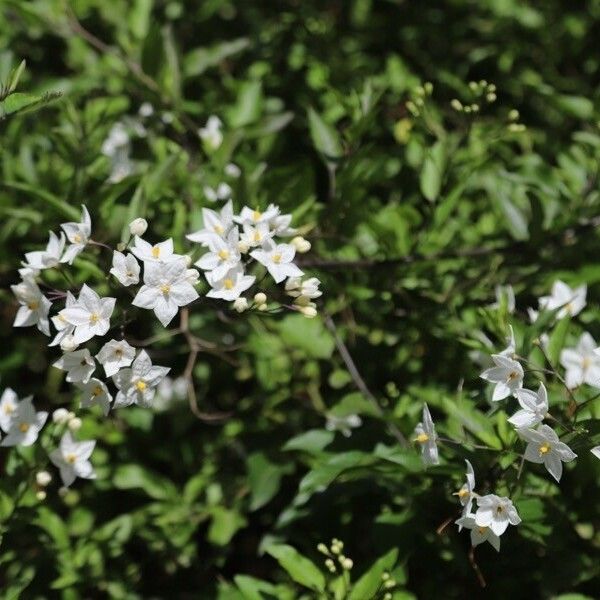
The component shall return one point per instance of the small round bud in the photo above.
(260, 298)
(300, 244)
(513, 115)
(43, 478)
(323, 549)
(456, 105)
(347, 563)
(491, 97)
(232, 170)
(146, 110)
(240, 304)
(428, 88)
(473, 86)
(412, 108)
(387, 596)
(74, 424)
(68, 343)
(385, 576)
(40, 495)
(390, 583)
(330, 565)
(475, 107)
(467, 109)
(420, 91)
(491, 88)
(262, 307)
(138, 226)
(419, 102)
(192, 276)
(60, 416)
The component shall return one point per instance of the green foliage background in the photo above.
(413, 220)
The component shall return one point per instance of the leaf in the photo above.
(575, 106)
(20, 102)
(39, 193)
(432, 172)
(370, 582)
(264, 479)
(299, 568)
(139, 17)
(325, 138)
(248, 107)
(15, 76)
(225, 523)
(129, 477)
(309, 336)
(200, 59)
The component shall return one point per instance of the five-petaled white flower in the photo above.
(166, 288)
(95, 392)
(48, 258)
(125, 268)
(255, 235)
(277, 258)
(466, 494)
(344, 424)
(507, 375)
(479, 533)
(211, 133)
(255, 216)
(427, 438)
(161, 252)
(78, 235)
(222, 256)
(90, 315)
(495, 512)
(115, 355)
(137, 384)
(231, 286)
(9, 402)
(544, 447)
(63, 328)
(72, 459)
(34, 306)
(534, 407)
(582, 363)
(215, 224)
(25, 425)
(309, 288)
(570, 301)
(78, 364)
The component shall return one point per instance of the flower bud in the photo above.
(347, 563)
(308, 311)
(74, 424)
(323, 549)
(121, 246)
(243, 247)
(68, 343)
(262, 307)
(138, 226)
(300, 244)
(40, 495)
(192, 276)
(456, 104)
(260, 298)
(232, 170)
(240, 304)
(60, 416)
(43, 478)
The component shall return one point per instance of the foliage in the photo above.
(418, 206)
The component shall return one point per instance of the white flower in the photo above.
(25, 425)
(78, 235)
(222, 192)
(146, 110)
(9, 402)
(479, 533)
(309, 288)
(507, 375)
(117, 146)
(343, 424)
(64, 329)
(255, 235)
(545, 448)
(426, 436)
(215, 224)
(570, 301)
(466, 494)
(48, 258)
(582, 363)
(166, 288)
(596, 451)
(125, 268)
(90, 315)
(232, 170)
(60, 416)
(278, 260)
(255, 216)
(138, 226)
(222, 256)
(211, 133)
(72, 459)
(496, 513)
(137, 384)
(534, 407)
(43, 478)
(68, 343)
(79, 365)
(34, 306)
(240, 304)
(302, 245)
(95, 392)
(231, 286)
(161, 252)
(280, 225)
(505, 295)
(115, 355)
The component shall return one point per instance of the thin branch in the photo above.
(359, 382)
(480, 577)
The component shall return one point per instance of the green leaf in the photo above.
(367, 586)
(129, 477)
(325, 138)
(264, 479)
(307, 335)
(200, 59)
(432, 172)
(224, 525)
(15, 76)
(557, 340)
(299, 568)
(248, 107)
(38, 193)
(313, 441)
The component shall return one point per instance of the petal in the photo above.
(147, 297)
(165, 310)
(553, 465)
(501, 391)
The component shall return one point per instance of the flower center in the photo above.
(94, 318)
(77, 238)
(24, 427)
(462, 492)
(9, 409)
(97, 391)
(545, 448)
(512, 375)
(223, 254)
(256, 215)
(155, 252)
(71, 458)
(499, 509)
(257, 236)
(586, 362)
(482, 529)
(141, 385)
(422, 438)
(218, 229)
(228, 284)
(165, 288)
(276, 258)
(33, 305)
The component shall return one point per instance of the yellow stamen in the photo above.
(256, 215)
(165, 288)
(586, 362)
(276, 258)
(513, 375)
(422, 438)
(71, 458)
(545, 448)
(155, 251)
(223, 254)
(94, 318)
(228, 284)
(218, 229)
(141, 385)
(462, 492)
(97, 391)
(77, 238)
(9, 409)
(24, 427)
(33, 305)
(481, 529)
(257, 236)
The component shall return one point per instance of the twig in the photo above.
(480, 577)
(359, 382)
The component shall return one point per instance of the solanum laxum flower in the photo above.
(63, 328)
(78, 235)
(166, 288)
(48, 258)
(570, 301)
(215, 224)
(496, 512)
(479, 533)
(507, 375)
(211, 134)
(534, 407)
(125, 268)
(234, 283)
(426, 436)
(161, 252)
(25, 425)
(582, 363)
(79, 365)
(34, 306)
(222, 256)
(255, 216)
(95, 392)
(277, 258)
(466, 494)
(9, 403)
(115, 355)
(72, 459)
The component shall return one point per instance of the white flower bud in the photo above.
(68, 343)
(70, 415)
(243, 247)
(192, 276)
(300, 244)
(240, 304)
(138, 226)
(43, 478)
(74, 424)
(41, 495)
(146, 110)
(260, 298)
(121, 246)
(262, 307)
(188, 260)
(232, 170)
(303, 301)
(347, 563)
(456, 104)
(60, 416)
(309, 311)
